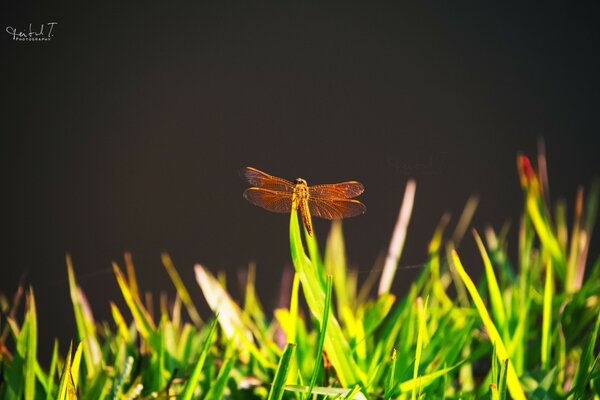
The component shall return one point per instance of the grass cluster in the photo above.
(527, 330)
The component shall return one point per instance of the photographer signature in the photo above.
(43, 34)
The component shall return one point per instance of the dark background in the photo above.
(126, 130)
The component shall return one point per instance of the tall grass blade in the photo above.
(278, 386)
(184, 295)
(398, 238)
(192, 382)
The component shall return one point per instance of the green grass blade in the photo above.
(217, 387)
(514, 386)
(321, 340)
(494, 289)
(278, 386)
(52, 371)
(546, 345)
(421, 312)
(582, 375)
(192, 382)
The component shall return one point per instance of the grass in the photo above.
(529, 329)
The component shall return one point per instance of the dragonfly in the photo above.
(329, 201)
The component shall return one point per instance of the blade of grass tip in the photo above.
(141, 317)
(31, 349)
(52, 371)
(66, 390)
(131, 278)
(321, 340)
(547, 317)
(494, 289)
(586, 234)
(543, 170)
(514, 386)
(192, 382)
(85, 328)
(421, 311)
(389, 384)
(181, 289)
(465, 220)
(278, 387)
(398, 238)
(76, 363)
(571, 272)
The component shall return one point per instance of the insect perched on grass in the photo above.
(331, 201)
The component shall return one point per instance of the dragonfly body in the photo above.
(300, 198)
(330, 201)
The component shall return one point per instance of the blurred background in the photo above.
(126, 130)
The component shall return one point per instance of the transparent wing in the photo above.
(344, 190)
(335, 208)
(272, 200)
(263, 180)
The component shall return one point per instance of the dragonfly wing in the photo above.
(335, 208)
(263, 180)
(343, 190)
(271, 200)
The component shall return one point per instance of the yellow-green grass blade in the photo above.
(192, 382)
(514, 386)
(424, 380)
(336, 346)
(120, 322)
(76, 363)
(493, 288)
(28, 338)
(66, 390)
(321, 340)
(184, 295)
(547, 317)
(86, 330)
(142, 319)
(335, 266)
(421, 312)
(283, 368)
(338, 393)
(544, 231)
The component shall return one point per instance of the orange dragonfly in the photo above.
(331, 201)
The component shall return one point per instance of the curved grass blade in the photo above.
(276, 392)
(336, 344)
(184, 295)
(514, 386)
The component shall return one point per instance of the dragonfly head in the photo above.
(300, 181)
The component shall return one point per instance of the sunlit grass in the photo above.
(528, 330)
